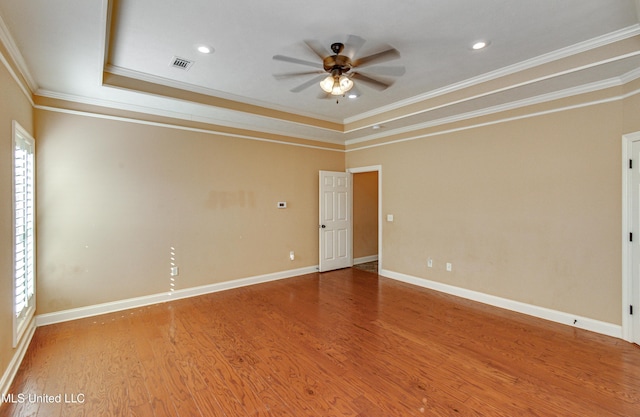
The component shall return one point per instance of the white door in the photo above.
(336, 222)
(635, 240)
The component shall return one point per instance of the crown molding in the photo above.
(155, 111)
(179, 127)
(588, 45)
(16, 78)
(124, 72)
(556, 95)
(174, 115)
(16, 56)
(631, 75)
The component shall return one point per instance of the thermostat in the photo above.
(282, 204)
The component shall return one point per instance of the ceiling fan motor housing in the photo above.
(337, 62)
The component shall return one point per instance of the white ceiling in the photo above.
(65, 46)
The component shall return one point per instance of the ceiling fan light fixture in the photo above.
(336, 85)
(327, 84)
(345, 83)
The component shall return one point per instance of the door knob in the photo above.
(323, 226)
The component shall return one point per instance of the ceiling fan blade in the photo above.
(353, 45)
(318, 49)
(390, 71)
(307, 84)
(295, 74)
(371, 82)
(383, 56)
(298, 61)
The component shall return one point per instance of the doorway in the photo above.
(367, 225)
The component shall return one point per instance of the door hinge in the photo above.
(630, 163)
(630, 237)
(631, 310)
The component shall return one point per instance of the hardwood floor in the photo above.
(342, 343)
(368, 266)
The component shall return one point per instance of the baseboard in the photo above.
(365, 259)
(18, 355)
(94, 310)
(568, 319)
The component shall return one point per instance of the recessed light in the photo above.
(479, 45)
(204, 49)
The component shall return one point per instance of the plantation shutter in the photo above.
(24, 223)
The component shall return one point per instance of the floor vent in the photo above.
(181, 63)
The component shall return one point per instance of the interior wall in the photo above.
(14, 105)
(114, 197)
(631, 113)
(365, 214)
(528, 210)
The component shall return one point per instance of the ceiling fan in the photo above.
(337, 71)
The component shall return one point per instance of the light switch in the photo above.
(389, 217)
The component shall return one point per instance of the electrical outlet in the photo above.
(449, 267)
(429, 263)
(174, 271)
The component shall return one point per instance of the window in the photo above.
(24, 230)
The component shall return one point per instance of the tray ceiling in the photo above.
(120, 53)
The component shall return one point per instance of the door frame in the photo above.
(627, 276)
(378, 169)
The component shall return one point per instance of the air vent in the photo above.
(181, 63)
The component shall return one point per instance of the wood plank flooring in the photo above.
(342, 343)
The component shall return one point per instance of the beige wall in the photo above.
(114, 197)
(631, 114)
(14, 105)
(365, 214)
(528, 210)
